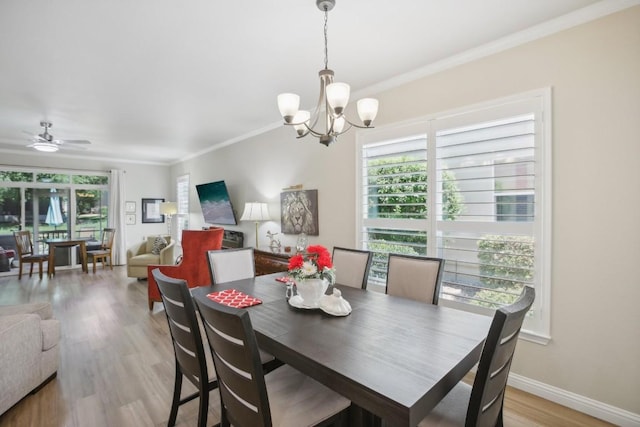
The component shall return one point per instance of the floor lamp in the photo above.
(255, 211)
(169, 209)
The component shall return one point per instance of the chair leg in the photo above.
(150, 304)
(224, 421)
(31, 270)
(94, 265)
(39, 269)
(177, 388)
(110, 263)
(204, 406)
(20, 270)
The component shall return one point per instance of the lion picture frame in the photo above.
(299, 212)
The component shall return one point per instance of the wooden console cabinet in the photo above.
(268, 262)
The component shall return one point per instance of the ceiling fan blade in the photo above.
(33, 136)
(72, 141)
(73, 147)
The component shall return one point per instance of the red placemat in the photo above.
(233, 298)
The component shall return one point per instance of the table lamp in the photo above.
(169, 209)
(255, 211)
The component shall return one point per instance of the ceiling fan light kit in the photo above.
(47, 147)
(46, 143)
(332, 102)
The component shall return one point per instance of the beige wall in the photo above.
(594, 70)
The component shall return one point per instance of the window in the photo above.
(182, 192)
(52, 204)
(471, 187)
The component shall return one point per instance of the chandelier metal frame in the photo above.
(332, 101)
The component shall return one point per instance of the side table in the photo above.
(269, 262)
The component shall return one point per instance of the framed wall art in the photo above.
(130, 219)
(151, 210)
(299, 212)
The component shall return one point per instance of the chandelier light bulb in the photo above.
(301, 121)
(367, 110)
(288, 104)
(338, 96)
(338, 124)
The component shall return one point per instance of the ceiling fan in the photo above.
(47, 143)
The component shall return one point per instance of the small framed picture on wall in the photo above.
(151, 210)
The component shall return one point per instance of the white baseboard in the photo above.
(575, 401)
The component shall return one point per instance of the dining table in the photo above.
(393, 357)
(81, 242)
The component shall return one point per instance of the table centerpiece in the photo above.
(313, 272)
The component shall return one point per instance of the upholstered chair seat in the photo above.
(141, 255)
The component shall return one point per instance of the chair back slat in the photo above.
(238, 367)
(24, 245)
(414, 277)
(107, 238)
(183, 325)
(226, 265)
(487, 395)
(352, 266)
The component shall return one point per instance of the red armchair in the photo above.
(193, 267)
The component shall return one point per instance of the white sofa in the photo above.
(139, 256)
(29, 338)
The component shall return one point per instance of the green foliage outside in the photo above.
(91, 210)
(381, 251)
(400, 188)
(506, 265)
(451, 197)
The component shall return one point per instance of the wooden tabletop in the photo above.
(67, 242)
(394, 357)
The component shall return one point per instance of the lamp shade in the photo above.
(300, 119)
(255, 211)
(288, 104)
(367, 110)
(338, 96)
(168, 208)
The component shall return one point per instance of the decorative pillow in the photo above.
(158, 244)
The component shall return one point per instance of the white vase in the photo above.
(311, 290)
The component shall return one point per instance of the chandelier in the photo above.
(327, 120)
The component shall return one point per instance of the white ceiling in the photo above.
(162, 80)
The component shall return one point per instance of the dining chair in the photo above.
(352, 266)
(249, 397)
(106, 249)
(24, 246)
(187, 345)
(482, 403)
(414, 277)
(226, 265)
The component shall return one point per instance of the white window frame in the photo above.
(182, 200)
(537, 326)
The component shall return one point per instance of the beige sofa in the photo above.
(29, 350)
(139, 256)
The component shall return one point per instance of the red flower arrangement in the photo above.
(315, 263)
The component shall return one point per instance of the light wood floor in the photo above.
(116, 361)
